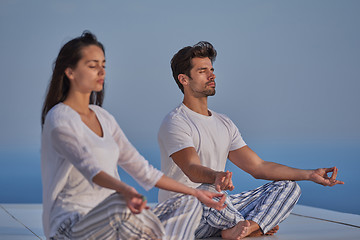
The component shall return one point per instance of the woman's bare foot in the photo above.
(239, 231)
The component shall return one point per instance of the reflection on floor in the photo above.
(23, 221)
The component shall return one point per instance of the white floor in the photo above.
(23, 222)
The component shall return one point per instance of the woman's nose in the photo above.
(102, 71)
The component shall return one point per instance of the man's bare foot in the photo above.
(239, 231)
(259, 233)
(256, 233)
(273, 231)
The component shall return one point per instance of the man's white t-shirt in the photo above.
(213, 137)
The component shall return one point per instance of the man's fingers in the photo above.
(227, 181)
(231, 185)
(327, 170)
(223, 181)
(218, 188)
(333, 180)
(333, 183)
(339, 182)
(334, 174)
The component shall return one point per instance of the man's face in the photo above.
(202, 78)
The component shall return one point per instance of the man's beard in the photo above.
(206, 92)
(210, 92)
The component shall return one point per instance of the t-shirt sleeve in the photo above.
(67, 141)
(132, 161)
(237, 140)
(174, 135)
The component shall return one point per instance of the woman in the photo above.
(83, 197)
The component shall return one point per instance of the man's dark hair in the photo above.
(181, 62)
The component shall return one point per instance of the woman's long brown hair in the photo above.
(59, 85)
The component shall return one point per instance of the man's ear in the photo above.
(183, 79)
(69, 73)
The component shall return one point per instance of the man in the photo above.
(195, 143)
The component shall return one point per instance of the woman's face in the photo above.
(89, 73)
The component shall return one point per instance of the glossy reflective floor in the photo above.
(23, 221)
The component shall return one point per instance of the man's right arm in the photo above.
(189, 162)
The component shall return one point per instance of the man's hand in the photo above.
(320, 176)
(135, 201)
(206, 197)
(223, 181)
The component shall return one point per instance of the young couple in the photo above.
(82, 145)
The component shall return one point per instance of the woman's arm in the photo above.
(135, 201)
(205, 197)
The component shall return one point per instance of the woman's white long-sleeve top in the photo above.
(72, 154)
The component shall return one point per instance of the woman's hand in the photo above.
(206, 197)
(135, 201)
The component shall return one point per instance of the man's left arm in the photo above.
(250, 162)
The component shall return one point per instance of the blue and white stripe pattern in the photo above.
(176, 218)
(180, 216)
(267, 205)
(112, 219)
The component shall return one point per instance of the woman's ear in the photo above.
(69, 73)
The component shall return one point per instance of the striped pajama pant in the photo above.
(177, 218)
(267, 205)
